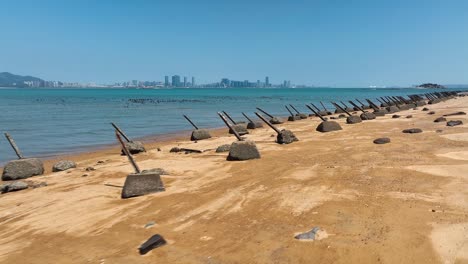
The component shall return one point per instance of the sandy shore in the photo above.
(403, 202)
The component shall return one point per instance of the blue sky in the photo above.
(335, 43)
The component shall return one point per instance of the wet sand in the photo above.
(402, 202)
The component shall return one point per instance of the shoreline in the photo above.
(369, 201)
(150, 142)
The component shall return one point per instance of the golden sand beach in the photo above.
(402, 202)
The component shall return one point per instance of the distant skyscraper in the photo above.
(267, 81)
(285, 83)
(134, 82)
(185, 81)
(166, 81)
(225, 82)
(258, 83)
(193, 81)
(176, 81)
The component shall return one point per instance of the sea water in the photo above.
(47, 122)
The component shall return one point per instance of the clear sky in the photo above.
(336, 43)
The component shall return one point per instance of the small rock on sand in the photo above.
(452, 123)
(425, 109)
(152, 243)
(150, 224)
(223, 148)
(431, 113)
(22, 169)
(382, 141)
(456, 113)
(315, 234)
(409, 116)
(13, 187)
(286, 137)
(90, 169)
(396, 116)
(440, 119)
(134, 147)
(412, 130)
(63, 165)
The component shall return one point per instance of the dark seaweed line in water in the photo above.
(157, 101)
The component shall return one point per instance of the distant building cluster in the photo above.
(227, 83)
(175, 81)
(50, 84)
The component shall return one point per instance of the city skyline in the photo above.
(173, 81)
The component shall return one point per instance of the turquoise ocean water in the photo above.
(47, 122)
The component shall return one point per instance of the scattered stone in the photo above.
(440, 119)
(380, 112)
(396, 116)
(90, 169)
(286, 137)
(302, 116)
(186, 150)
(137, 184)
(254, 125)
(22, 169)
(392, 109)
(439, 131)
(64, 165)
(409, 116)
(150, 224)
(152, 243)
(134, 147)
(276, 121)
(457, 113)
(452, 123)
(13, 186)
(100, 162)
(425, 109)
(223, 148)
(368, 116)
(333, 117)
(158, 149)
(412, 130)
(84, 175)
(200, 134)
(431, 113)
(315, 234)
(353, 119)
(328, 126)
(294, 118)
(174, 150)
(382, 141)
(342, 116)
(243, 150)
